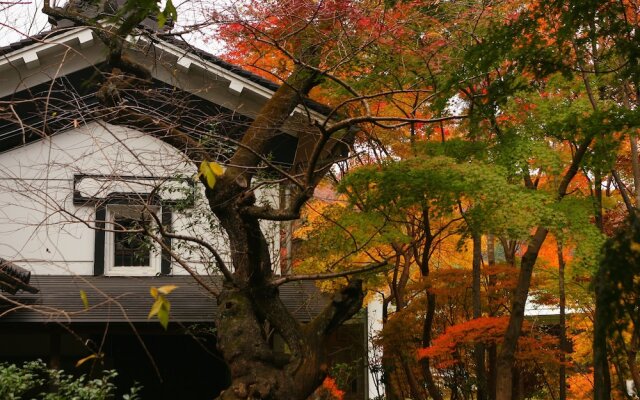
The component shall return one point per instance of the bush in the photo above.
(33, 380)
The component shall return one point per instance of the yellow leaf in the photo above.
(155, 309)
(87, 358)
(217, 169)
(85, 300)
(207, 173)
(154, 292)
(166, 289)
(210, 170)
(635, 247)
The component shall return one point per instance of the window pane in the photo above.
(130, 249)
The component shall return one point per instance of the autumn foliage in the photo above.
(506, 161)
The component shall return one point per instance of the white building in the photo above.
(76, 190)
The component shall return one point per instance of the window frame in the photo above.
(103, 240)
(155, 257)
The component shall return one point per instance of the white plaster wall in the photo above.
(42, 230)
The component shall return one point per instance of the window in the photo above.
(128, 251)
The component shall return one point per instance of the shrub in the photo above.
(33, 380)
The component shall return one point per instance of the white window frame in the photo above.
(155, 257)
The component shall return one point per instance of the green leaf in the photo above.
(162, 19)
(169, 12)
(163, 318)
(85, 300)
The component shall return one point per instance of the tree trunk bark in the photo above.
(635, 163)
(601, 376)
(506, 356)
(414, 387)
(242, 343)
(563, 325)
(434, 392)
(427, 326)
(601, 373)
(492, 352)
(481, 378)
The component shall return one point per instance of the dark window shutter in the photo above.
(165, 263)
(98, 251)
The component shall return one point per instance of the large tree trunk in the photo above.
(249, 299)
(242, 343)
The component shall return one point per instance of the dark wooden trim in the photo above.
(98, 252)
(165, 263)
(124, 197)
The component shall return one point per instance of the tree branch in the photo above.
(317, 277)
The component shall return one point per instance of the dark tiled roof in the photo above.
(321, 108)
(33, 39)
(127, 299)
(178, 42)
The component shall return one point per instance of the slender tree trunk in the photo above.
(635, 163)
(414, 387)
(387, 363)
(597, 199)
(617, 365)
(601, 375)
(509, 247)
(492, 351)
(632, 353)
(633, 141)
(481, 379)
(563, 324)
(506, 356)
(434, 392)
(427, 326)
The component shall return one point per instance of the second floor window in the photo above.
(128, 250)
